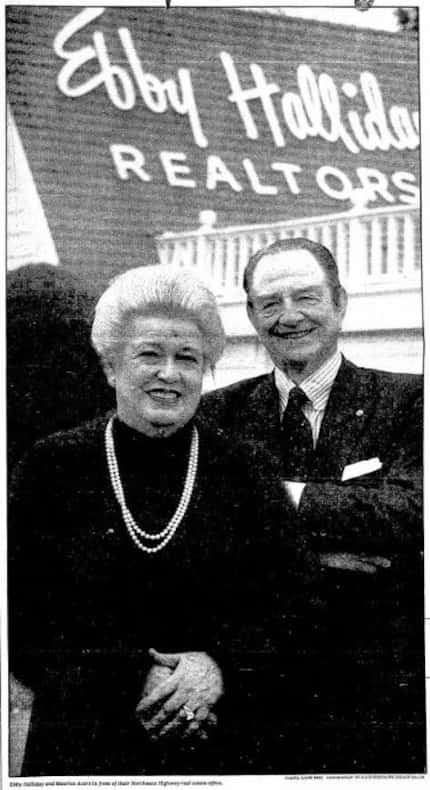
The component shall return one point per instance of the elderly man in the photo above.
(349, 445)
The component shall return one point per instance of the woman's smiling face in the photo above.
(158, 373)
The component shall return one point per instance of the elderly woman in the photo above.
(147, 558)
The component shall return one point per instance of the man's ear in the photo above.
(342, 302)
(250, 312)
(109, 371)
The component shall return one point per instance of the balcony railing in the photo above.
(375, 249)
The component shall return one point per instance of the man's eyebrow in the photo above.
(268, 295)
(308, 289)
(189, 347)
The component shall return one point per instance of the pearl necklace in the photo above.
(135, 532)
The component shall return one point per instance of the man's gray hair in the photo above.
(157, 290)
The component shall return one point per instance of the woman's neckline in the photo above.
(133, 438)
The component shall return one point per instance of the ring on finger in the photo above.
(188, 713)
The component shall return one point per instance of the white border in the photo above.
(242, 782)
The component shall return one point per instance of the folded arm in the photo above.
(378, 514)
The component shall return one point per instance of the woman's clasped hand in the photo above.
(179, 694)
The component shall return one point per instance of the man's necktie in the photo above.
(297, 441)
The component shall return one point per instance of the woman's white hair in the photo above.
(166, 290)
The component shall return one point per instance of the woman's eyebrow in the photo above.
(159, 344)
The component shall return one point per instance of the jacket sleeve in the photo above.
(40, 656)
(45, 653)
(28, 571)
(378, 512)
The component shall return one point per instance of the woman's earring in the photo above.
(109, 373)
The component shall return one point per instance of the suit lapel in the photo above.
(348, 409)
(350, 405)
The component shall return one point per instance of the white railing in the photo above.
(376, 249)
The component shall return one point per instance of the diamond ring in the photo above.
(189, 714)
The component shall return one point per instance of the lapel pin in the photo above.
(363, 5)
(359, 413)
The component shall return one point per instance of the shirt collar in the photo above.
(316, 386)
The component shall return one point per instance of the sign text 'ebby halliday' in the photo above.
(317, 108)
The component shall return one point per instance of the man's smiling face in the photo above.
(291, 307)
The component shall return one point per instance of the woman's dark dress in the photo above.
(86, 604)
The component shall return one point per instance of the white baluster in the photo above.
(229, 267)
(203, 251)
(202, 257)
(409, 248)
(244, 255)
(270, 238)
(357, 253)
(393, 239)
(342, 250)
(217, 265)
(191, 247)
(182, 254)
(163, 251)
(256, 242)
(376, 251)
(327, 238)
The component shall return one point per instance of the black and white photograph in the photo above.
(214, 394)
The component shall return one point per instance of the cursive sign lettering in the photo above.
(318, 108)
(315, 110)
(157, 96)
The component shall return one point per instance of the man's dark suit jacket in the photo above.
(364, 708)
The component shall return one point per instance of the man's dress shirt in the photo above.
(317, 387)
